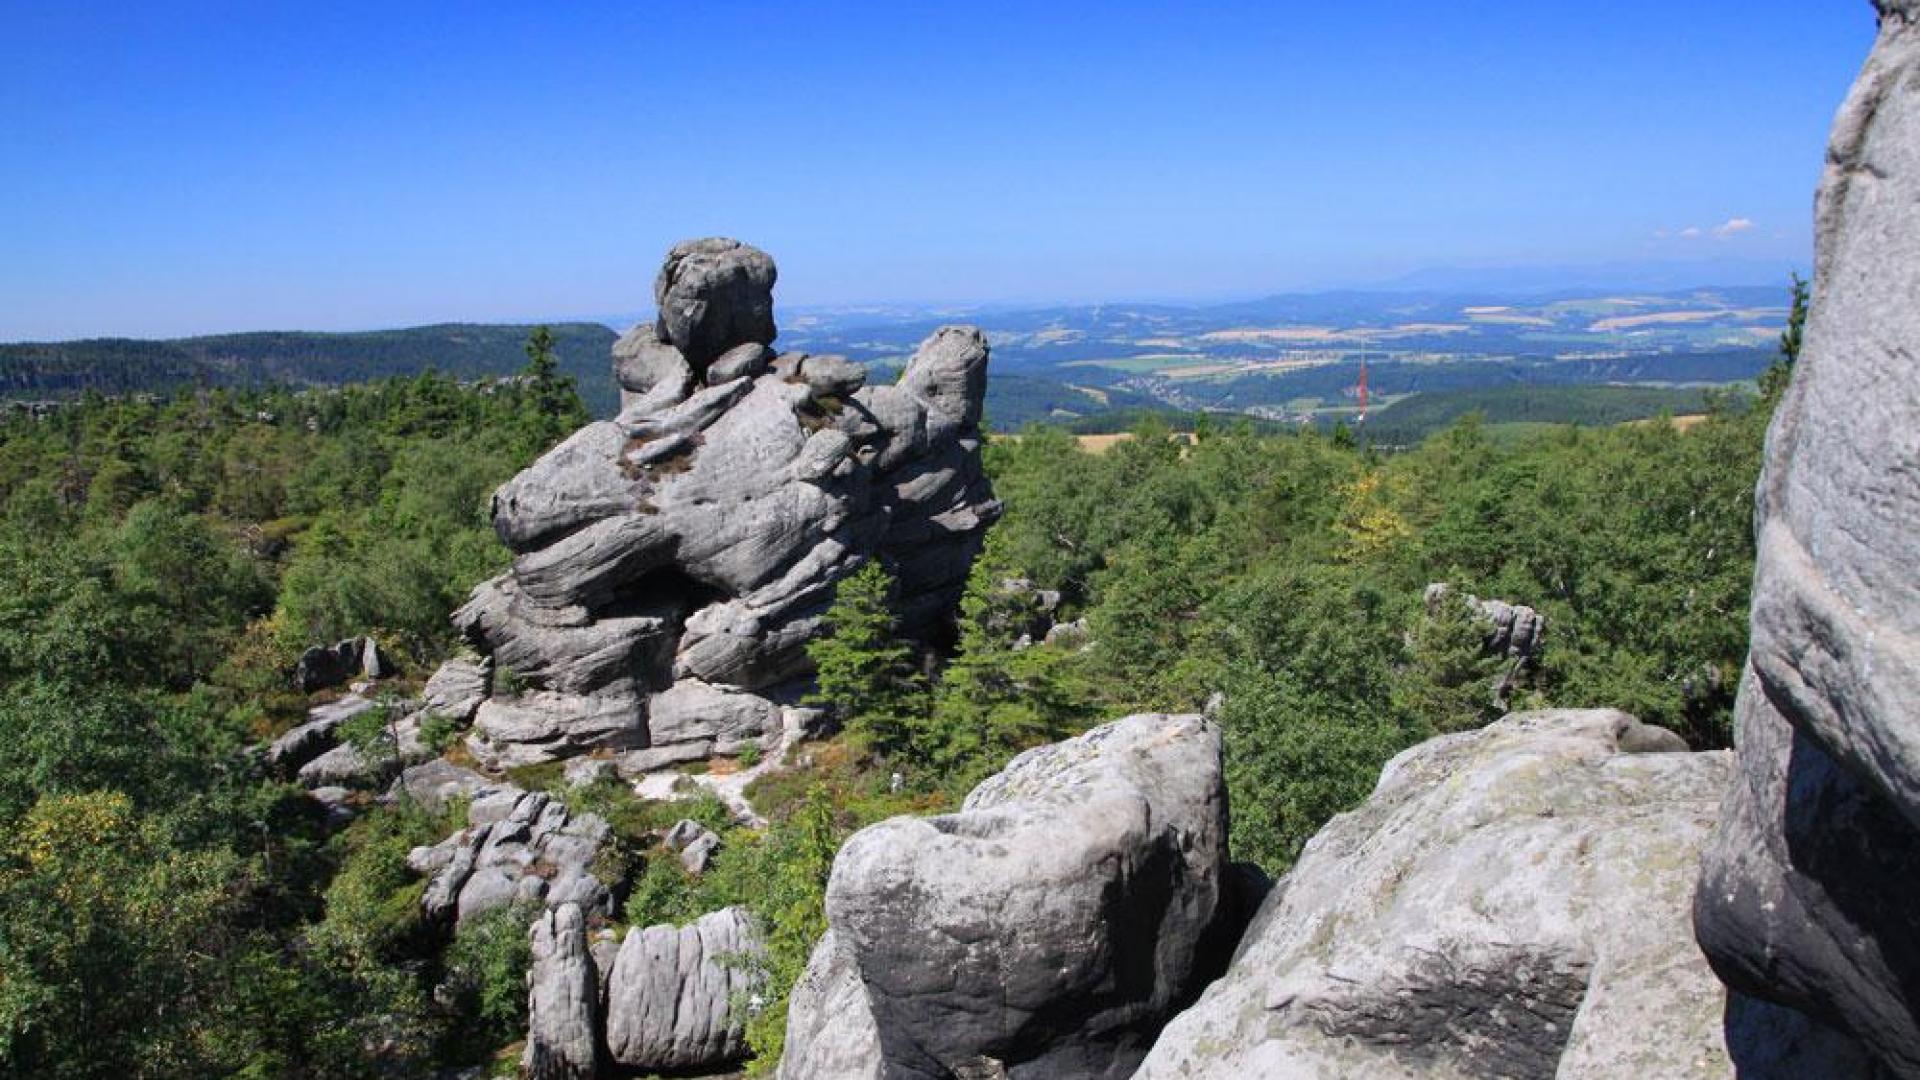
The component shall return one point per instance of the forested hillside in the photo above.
(166, 901)
(54, 370)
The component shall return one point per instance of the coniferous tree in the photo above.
(865, 674)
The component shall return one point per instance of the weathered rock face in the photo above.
(519, 847)
(1049, 927)
(1510, 902)
(1807, 893)
(563, 1000)
(675, 995)
(671, 565)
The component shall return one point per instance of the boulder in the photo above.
(740, 362)
(1509, 902)
(832, 376)
(325, 666)
(674, 998)
(1051, 925)
(714, 294)
(831, 1032)
(694, 843)
(1805, 895)
(435, 784)
(563, 1000)
(671, 566)
(321, 733)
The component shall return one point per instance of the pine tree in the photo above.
(994, 699)
(865, 674)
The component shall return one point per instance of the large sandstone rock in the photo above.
(676, 995)
(672, 565)
(1806, 898)
(1510, 902)
(1050, 926)
(563, 1000)
(714, 294)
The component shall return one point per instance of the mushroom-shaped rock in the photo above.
(1806, 898)
(563, 1000)
(1052, 924)
(1510, 902)
(674, 1000)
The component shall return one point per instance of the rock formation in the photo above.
(324, 666)
(672, 564)
(1049, 927)
(563, 1000)
(519, 846)
(1515, 633)
(675, 995)
(1510, 902)
(669, 999)
(1806, 899)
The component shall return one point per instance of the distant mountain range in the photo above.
(1285, 358)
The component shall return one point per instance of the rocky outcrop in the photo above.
(294, 750)
(1806, 895)
(1516, 634)
(1510, 902)
(672, 565)
(677, 995)
(1049, 927)
(519, 847)
(563, 1000)
(324, 666)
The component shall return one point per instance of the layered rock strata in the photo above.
(671, 565)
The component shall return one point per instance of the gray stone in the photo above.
(1516, 633)
(338, 803)
(1510, 902)
(673, 999)
(518, 847)
(831, 1033)
(740, 362)
(693, 711)
(576, 483)
(293, 750)
(435, 784)
(1805, 898)
(563, 1000)
(832, 376)
(694, 843)
(1052, 924)
(585, 772)
(565, 649)
(714, 294)
(342, 766)
(544, 726)
(324, 666)
(672, 566)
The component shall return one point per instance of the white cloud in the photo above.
(1732, 227)
(1691, 232)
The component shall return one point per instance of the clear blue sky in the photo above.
(172, 168)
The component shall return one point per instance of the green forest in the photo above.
(169, 908)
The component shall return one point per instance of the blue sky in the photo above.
(171, 168)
